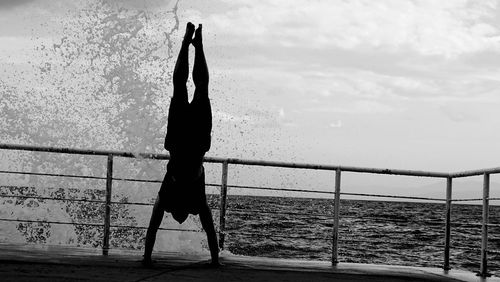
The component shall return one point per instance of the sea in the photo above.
(373, 232)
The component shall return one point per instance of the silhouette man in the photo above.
(188, 139)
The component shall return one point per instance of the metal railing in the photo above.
(225, 162)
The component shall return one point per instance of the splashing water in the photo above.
(103, 84)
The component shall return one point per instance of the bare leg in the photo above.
(181, 70)
(180, 97)
(154, 224)
(200, 68)
(200, 79)
(208, 225)
(201, 99)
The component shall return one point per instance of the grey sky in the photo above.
(6, 4)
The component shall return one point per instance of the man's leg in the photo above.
(180, 97)
(201, 99)
(208, 225)
(200, 68)
(154, 224)
(181, 70)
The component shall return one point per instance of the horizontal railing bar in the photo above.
(145, 227)
(277, 213)
(330, 217)
(335, 167)
(277, 189)
(466, 200)
(477, 199)
(228, 160)
(91, 224)
(252, 162)
(156, 181)
(77, 151)
(475, 172)
(395, 172)
(78, 200)
(174, 229)
(330, 192)
(322, 192)
(316, 192)
(49, 198)
(392, 196)
(53, 174)
(87, 177)
(235, 210)
(132, 203)
(51, 222)
(137, 180)
(311, 191)
(145, 204)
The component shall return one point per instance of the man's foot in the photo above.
(214, 264)
(197, 40)
(147, 262)
(189, 33)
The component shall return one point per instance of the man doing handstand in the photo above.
(188, 139)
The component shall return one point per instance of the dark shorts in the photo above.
(182, 198)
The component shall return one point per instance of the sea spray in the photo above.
(103, 83)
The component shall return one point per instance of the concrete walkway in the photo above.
(58, 263)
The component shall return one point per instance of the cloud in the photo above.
(281, 113)
(9, 4)
(357, 107)
(444, 28)
(459, 114)
(337, 124)
(144, 4)
(466, 85)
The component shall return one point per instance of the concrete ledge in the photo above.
(61, 263)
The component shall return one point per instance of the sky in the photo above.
(387, 84)
(410, 84)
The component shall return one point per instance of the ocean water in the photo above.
(379, 232)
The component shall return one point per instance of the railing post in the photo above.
(336, 215)
(107, 206)
(446, 265)
(222, 210)
(484, 231)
